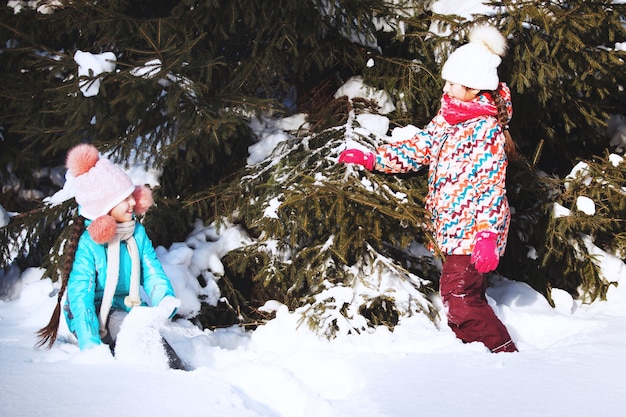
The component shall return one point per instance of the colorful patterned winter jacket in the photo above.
(86, 283)
(467, 171)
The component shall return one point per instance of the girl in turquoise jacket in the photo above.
(108, 257)
(87, 282)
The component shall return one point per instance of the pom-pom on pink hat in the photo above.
(99, 186)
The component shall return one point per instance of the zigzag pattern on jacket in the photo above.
(466, 179)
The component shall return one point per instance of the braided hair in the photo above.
(503, 120)
(48, 334)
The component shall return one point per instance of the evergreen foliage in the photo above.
(320, 226)
(552, 243)
(566, 75)
(187, 76)
(18, 246)
(602, 181)
(330, 240)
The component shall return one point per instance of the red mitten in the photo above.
(485, 256)
(355, 156)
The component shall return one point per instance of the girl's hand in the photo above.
(485, 255)
(356, 156)
(168, 307)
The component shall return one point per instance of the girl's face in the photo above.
(123, 212)
(459, 92)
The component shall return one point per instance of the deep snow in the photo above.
(571, 363)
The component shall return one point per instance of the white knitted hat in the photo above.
(475, 64)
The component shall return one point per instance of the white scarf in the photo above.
(124, 233)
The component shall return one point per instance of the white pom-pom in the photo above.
(490, 37)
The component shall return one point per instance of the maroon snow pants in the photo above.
(469, 315)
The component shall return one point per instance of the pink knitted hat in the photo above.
(99, 186)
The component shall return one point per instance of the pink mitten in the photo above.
(355, 156)
(485, 255)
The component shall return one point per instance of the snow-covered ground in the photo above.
(571, 363)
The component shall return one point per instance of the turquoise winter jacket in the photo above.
(86, 283)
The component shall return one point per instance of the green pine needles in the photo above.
(328, 236)
(343, 246)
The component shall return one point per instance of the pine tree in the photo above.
(206, 68)
(567, 75)
(565, 68)
(184, 79)
(334, 227)
(312, 248)
(190, 76)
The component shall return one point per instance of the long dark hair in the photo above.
(48, 334)
(503, 119)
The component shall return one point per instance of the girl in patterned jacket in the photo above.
(465, 146)
(108, 256)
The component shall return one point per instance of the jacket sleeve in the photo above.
(81, 290)
(405, 156)
(156, 284)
